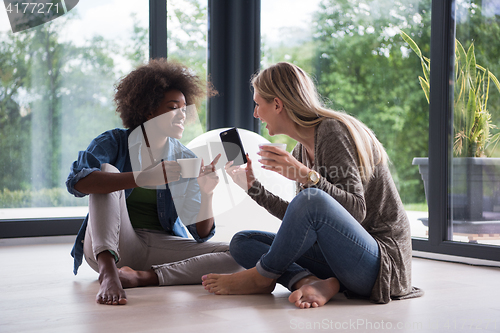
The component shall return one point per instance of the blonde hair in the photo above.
(302, 104)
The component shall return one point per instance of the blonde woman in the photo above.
(346, 230)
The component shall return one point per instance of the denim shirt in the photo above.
(178, 202)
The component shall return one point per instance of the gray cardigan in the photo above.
(375, 204)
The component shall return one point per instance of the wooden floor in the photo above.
(39, 293)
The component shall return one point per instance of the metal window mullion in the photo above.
(440, 130)
(157, 29)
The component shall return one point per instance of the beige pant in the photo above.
(175, 260)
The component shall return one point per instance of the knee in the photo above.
(311, 198)
(106, 167)
(236, 246)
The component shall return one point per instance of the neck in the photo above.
(304, 135)
(156, 143)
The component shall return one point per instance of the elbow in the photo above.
(361, 216)
(79, 188)
(360, 211)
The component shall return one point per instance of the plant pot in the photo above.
(475, 191)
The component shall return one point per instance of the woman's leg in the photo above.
(178, 260)
(247, 247)
(313, 216)
(108, 230)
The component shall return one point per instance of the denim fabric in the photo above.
(112, 147)
(317, 236)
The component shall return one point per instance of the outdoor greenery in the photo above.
(472, 120)
(56, 96)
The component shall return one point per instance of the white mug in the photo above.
(190, 167)
(278, 145)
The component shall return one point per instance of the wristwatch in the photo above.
(312, 179)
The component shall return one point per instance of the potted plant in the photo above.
(476, 177)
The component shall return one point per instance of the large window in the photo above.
(187, 28)
(363, 66)
(475, 168)
(56, 94)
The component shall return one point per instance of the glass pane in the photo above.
(363, 66)
(56, 95)
(475, 190)
(187, 29)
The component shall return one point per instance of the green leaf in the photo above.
(462, 57)
(471, 64)
(410, 42)
(425, 87)
(486, 88)
(470, 112)
(426, 68)
(495, 80)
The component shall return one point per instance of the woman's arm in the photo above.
(244, 177)
(336, 160)
(100, 182)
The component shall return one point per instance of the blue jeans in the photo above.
(317, 237)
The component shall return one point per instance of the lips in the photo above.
(179, 124)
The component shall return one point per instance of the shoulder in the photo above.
(334, 143)
(331, 127)
(331, 133)
(114, 135)
(111, 143)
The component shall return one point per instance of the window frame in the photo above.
(440, 153)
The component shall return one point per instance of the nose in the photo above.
(255, 114)
(181, 113)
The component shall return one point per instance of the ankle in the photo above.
(149, 278)
(106, 263)
(263, 281)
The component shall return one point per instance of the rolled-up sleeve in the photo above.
(192, 230)
(98, 152)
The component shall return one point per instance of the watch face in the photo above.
(314, 177)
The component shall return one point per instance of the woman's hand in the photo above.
(208, 179)
(242, 176)
(282, 162)
(163, 173)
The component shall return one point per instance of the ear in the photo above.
(278, 105)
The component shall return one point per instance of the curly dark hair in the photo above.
(141, 92)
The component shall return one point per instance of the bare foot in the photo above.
(241, 283)
(131, 278)
(314, 292)
(111, 291)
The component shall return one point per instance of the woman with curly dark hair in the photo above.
(134, 234)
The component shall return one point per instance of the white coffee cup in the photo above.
(190, 167)
(278, 145)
